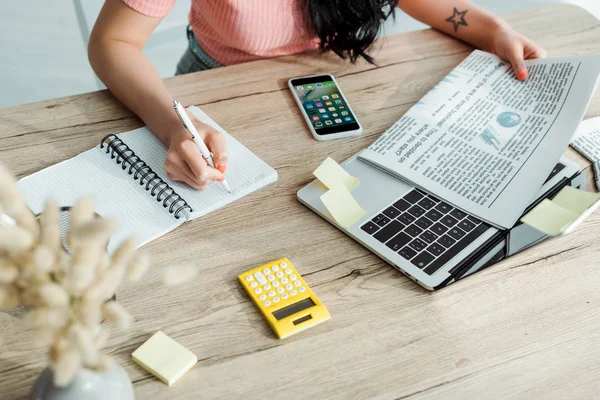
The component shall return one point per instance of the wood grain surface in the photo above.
(528, 327)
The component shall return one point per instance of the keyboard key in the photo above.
(406, 219)
(433, 215)
(407, 253)
(456, 213)
(474, 220)
(389, 231)
(379, 220)
(439, 229)
(402, 205)
(446, 241)
(443, 207)
(436, 249)
(466, 225)
(457, 233)
(413, 197)
(427, 203)
(423, 223)
(413, 231)
(418, 244)
(416, 211)
(370, 228)
(461, 245)
(428, 237)
(449, 221)
(398, 241)
(423, 260)
(391, 212)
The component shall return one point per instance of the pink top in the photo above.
(236, 31)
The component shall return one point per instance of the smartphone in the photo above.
(324, 107)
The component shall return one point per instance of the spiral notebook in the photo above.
(125, 175)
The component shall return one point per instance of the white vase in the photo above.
(113, 384)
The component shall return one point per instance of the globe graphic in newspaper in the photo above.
(508, 119)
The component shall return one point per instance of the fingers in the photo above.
(184, 163)
(515, 56)
(178, 170)
(216, 143)
(197, 164)
(533, 51)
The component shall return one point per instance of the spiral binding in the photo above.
(154, 184)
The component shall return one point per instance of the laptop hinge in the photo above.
(461, 268)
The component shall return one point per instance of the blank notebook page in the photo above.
(116, 195)
(246, 172)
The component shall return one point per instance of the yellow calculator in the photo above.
(283, 297)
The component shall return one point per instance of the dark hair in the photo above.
(348, 27)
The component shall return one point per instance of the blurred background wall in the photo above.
(43, 43)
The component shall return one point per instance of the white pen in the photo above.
(189, 126)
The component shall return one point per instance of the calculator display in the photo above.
(293, 308)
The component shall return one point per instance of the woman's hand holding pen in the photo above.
(184, 161)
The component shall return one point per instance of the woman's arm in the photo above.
(115, 53)
(472, 24)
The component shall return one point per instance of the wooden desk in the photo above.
(527, 327)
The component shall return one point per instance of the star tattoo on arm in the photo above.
(458, 19)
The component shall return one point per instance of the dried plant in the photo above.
(66, 294)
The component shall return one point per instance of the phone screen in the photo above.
(325, 106)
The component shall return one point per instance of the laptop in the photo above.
(423, 236)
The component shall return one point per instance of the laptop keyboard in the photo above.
(424, 230)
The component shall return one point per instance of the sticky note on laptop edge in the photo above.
(164, 358)
(338, 200)
(342, 206)
(330, 173)
(554, 217)
(575, 200)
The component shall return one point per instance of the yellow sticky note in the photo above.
(575, 200)
(550, 218)
(330, 173)
(164, 358)
(342, 206)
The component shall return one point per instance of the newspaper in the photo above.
(484, 141)
(587, 142)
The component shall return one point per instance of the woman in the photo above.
(225, 32)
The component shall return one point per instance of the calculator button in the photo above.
(271, 293)
(276, 299)
(260, 277)
(267, 303)
(253, 284)
(298, 283)
(267, 287)
(266, 271)
(275, 268)
(285, 296)
(283, 265)
(302, 289)
(280, 290)
(293, 293)
(258, 290)
(270, 277)
(293, 277)
(289, 286)
(262, 297)
(284, 280)
(279, 274)
(249, 278)
(288, 271)
(275, 284)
